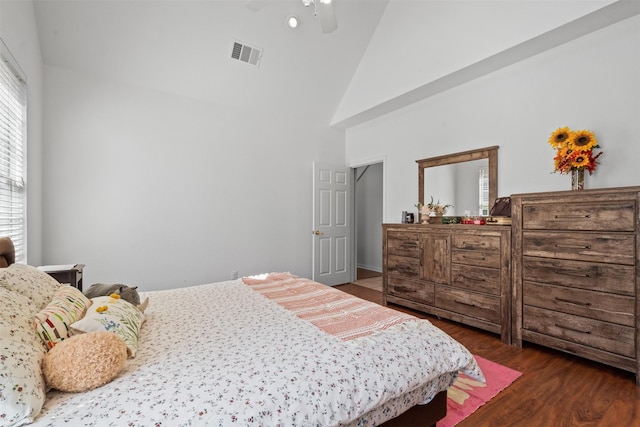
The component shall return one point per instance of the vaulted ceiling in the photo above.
(184, 47)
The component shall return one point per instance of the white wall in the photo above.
(590, 83)
(18, 30)
(421, 44)
(157, 190)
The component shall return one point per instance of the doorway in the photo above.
(367, 220)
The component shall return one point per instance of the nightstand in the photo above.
(71, 274)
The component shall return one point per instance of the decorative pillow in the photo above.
(84, 362)
(113, 315)
(30, 282)
(22, 386)
(53, 322)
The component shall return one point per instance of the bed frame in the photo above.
(422, 415)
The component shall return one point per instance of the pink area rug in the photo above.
(466, 395)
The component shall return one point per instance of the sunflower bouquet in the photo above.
(574, 150)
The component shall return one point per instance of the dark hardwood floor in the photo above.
(555, 389)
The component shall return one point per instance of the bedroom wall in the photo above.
(589, 83)
(157, 190)
(18, 31)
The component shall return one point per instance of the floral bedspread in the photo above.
(222, 354)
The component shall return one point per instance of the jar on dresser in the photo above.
(454, 271)
(576, 263)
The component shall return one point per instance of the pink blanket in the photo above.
(331, 310)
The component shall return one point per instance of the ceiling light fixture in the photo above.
(292, 22)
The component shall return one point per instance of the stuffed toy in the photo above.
(103, 289)
(84, 362)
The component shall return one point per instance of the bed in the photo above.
(270, 350)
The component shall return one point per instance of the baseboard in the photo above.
(377, 269)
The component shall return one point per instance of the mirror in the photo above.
(466, 180)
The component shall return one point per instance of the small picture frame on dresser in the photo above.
(65, 273)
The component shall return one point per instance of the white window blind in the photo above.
(13, 107)
(483, 185)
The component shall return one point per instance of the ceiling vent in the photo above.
(244, 53)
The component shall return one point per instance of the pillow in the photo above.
(113, 315)
(52, 323)
(22, 386)
(30, 282)
(84, 362)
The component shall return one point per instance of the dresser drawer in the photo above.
(596, 247)
(403, 244)
(595, 305)
(593, 333)
(404, 266)
(619, 216)
(411, 289)
(480, 306)
(476, 242)
(595, 276)
(480, 258)
(480, 279)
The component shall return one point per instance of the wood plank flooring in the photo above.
(555, 389)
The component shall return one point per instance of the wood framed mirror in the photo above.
(467, 180)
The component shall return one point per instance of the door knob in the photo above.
(318, 233)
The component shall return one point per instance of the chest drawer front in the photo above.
(403, 244)
(614, 278)
(403, 266)
(593, 333)
(595, 305)
(479, 279)
(618, 216)
(410, 289)
(481, 306)
(595, 247)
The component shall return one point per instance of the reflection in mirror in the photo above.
(463, 185)
(466, 180)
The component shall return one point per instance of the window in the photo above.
(13, 108)
(483, 185)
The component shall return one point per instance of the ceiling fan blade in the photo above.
(256, 5)
(326, 16)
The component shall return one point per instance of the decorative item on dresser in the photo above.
(576, 259)
(458, 272)
(574, 154)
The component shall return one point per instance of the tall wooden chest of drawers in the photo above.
(576, 263)
(458, 272)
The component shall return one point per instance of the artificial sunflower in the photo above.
(559, 137)
(581, 159)
(583, 140)
(574, 150)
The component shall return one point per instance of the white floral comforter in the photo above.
(223, 355)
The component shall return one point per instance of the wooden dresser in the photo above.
(458, 272)
(576, 263)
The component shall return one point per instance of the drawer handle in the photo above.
(568, 301)
(574, 246)
(475, 279)
(475, 258)
(573, 273)
(403, 289)
(572, 217)
(568, 328)
(457, 301)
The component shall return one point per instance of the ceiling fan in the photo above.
(322, 9)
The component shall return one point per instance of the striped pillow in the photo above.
(53, 322)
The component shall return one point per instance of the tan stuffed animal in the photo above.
(84, 362)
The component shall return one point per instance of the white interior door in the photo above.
(331, 224)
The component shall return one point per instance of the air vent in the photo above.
(244, 53)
